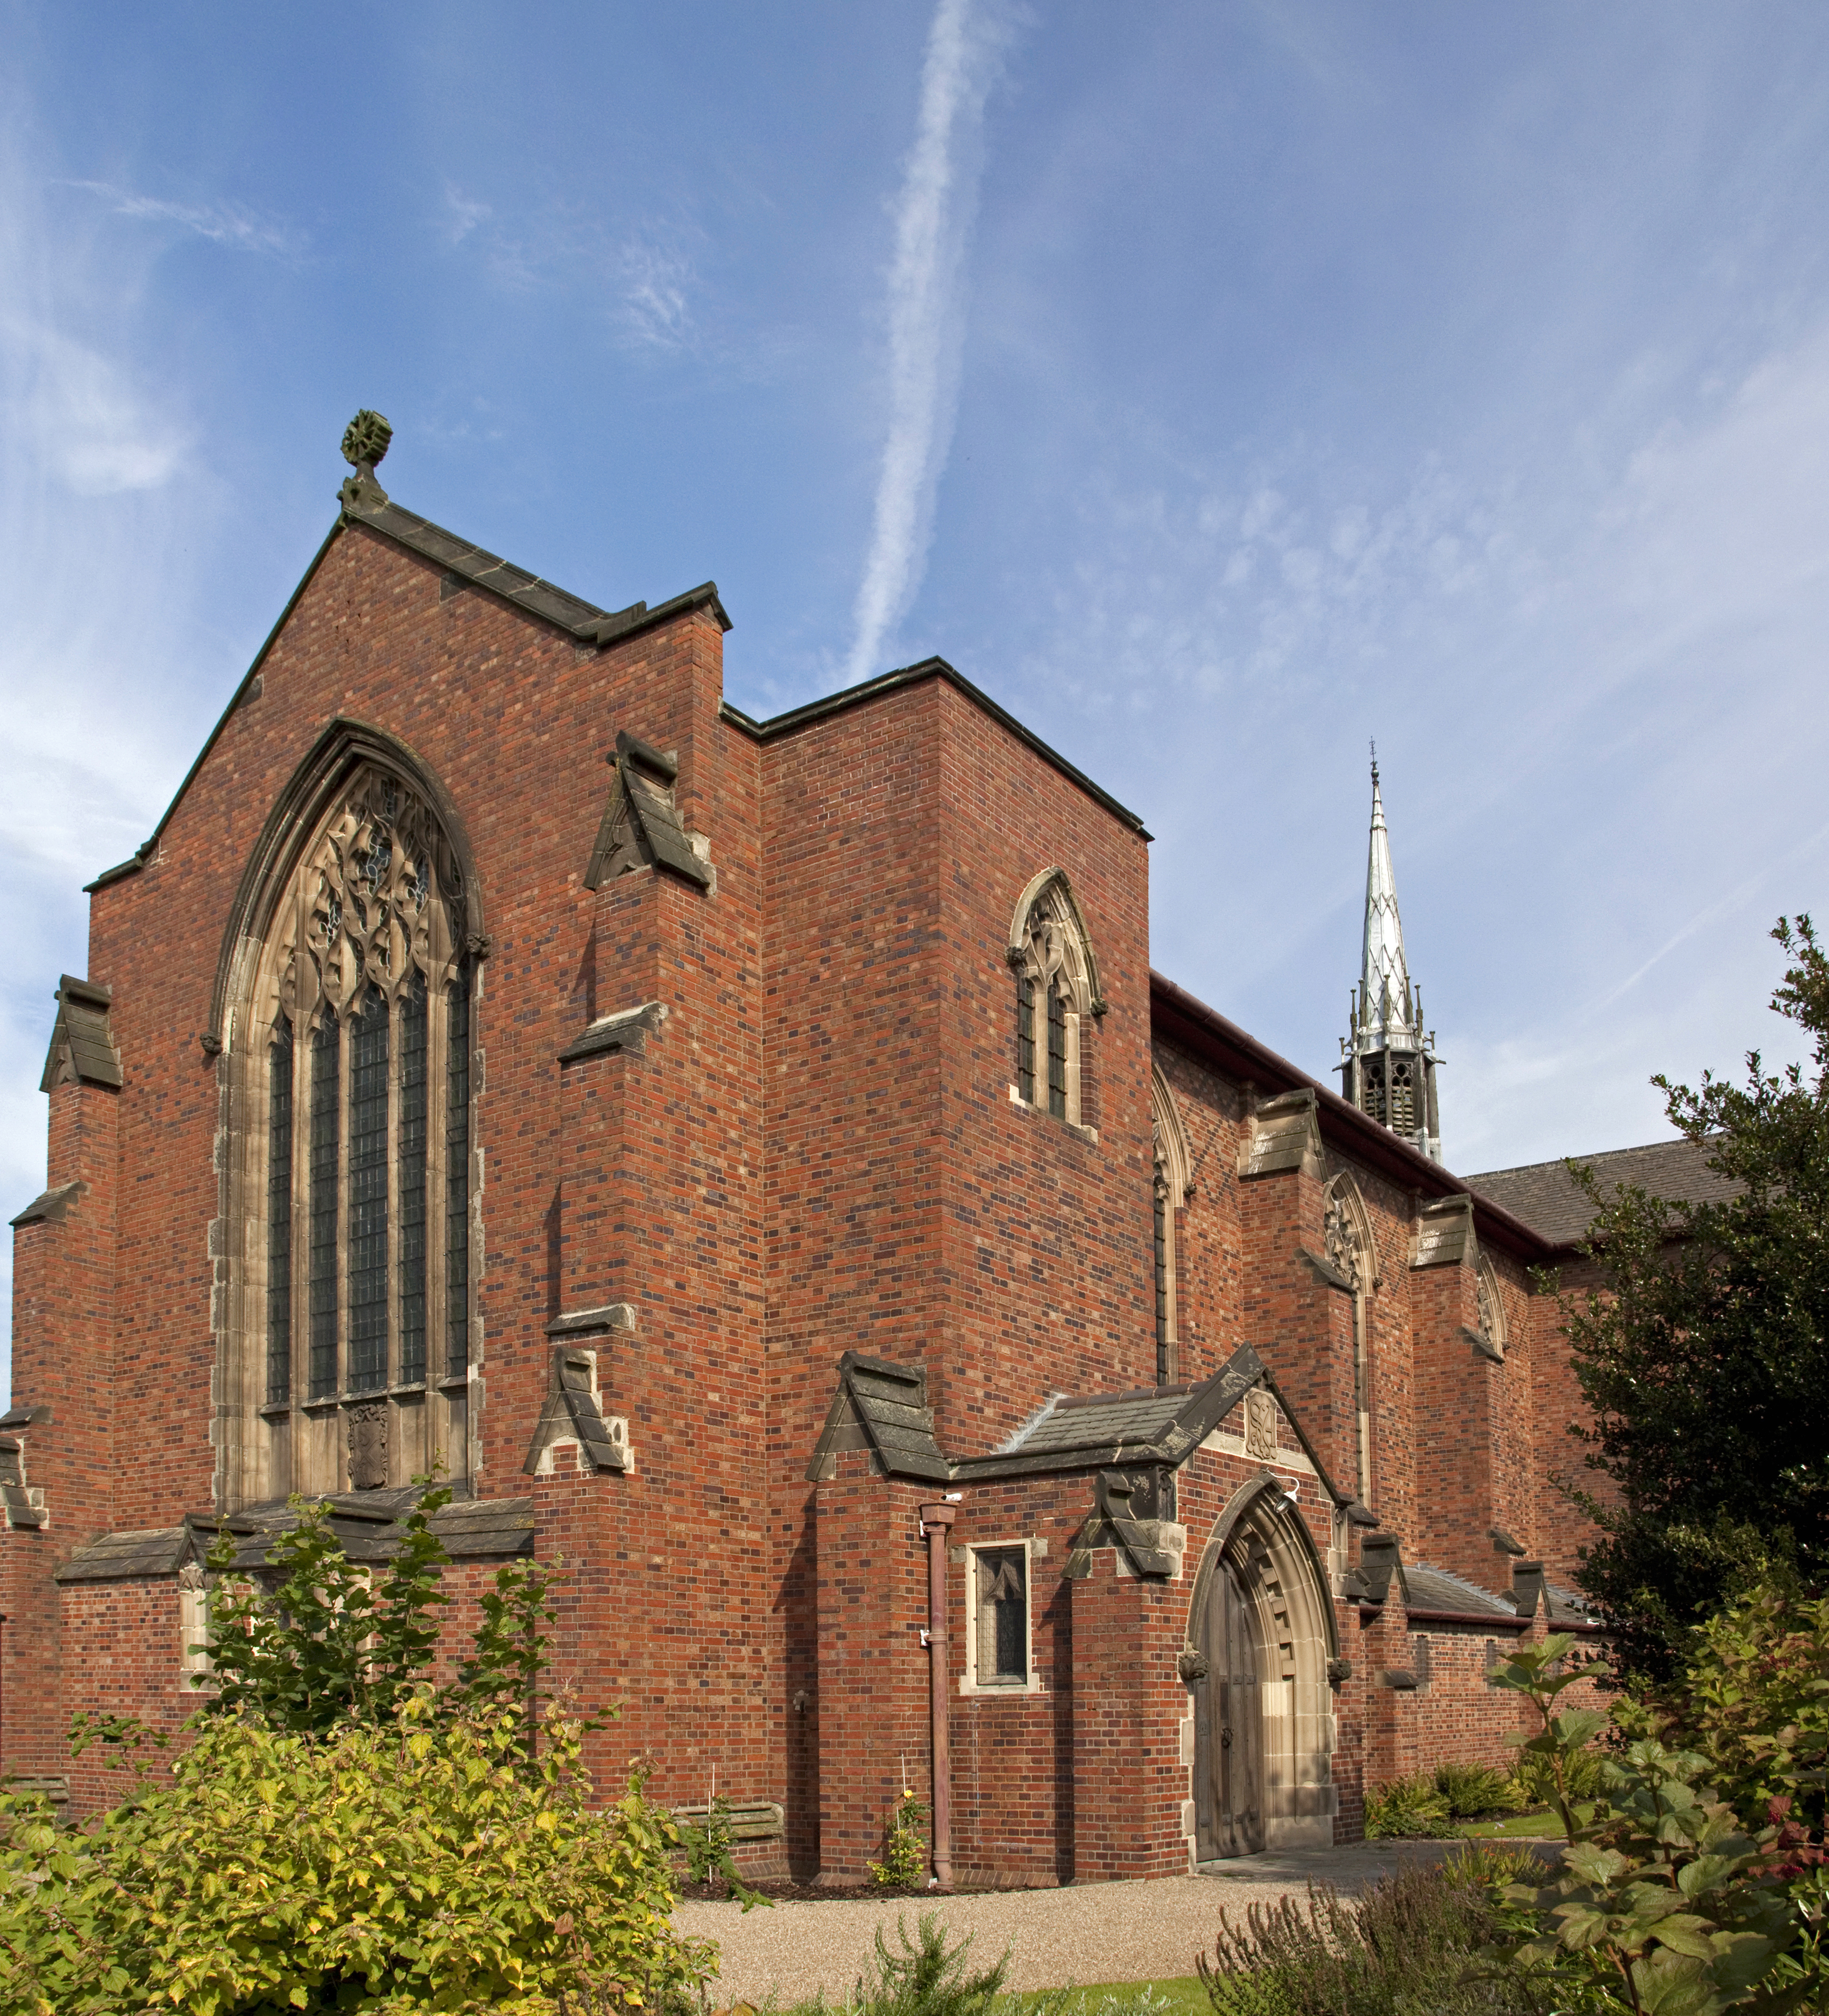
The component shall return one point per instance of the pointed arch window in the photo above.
(1494, 1332)
(1353, 1253)
(1056, 991)
(1172, 1186)
(359, 1024)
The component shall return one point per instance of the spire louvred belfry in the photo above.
(1388, 1064)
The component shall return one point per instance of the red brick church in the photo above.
(757, 1161)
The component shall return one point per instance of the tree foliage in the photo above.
(1704, 1355)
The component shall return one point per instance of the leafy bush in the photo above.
(1473, 1791)
(1753, 1700)
(1414, 1943)
(1665, 1903)
(904, 1865)
(342, 1835)
(1407, 1809)
(427, 1864)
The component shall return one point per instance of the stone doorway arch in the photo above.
(1260, 1637)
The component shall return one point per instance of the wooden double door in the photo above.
(1228, 1724)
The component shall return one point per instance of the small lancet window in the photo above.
(1002, 1643)
(1056, 993)
(1171, 1185)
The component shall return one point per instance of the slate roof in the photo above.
(1544, 1195)
(1435, 1588)
(367, 1523)
(882, 1406)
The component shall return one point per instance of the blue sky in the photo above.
(1219, 386)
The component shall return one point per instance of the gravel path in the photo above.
(1104, 1931)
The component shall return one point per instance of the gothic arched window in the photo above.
(351, 1050)
(1353, 1253)
(1172, 1186)
(1056, 988)
(1494, 1328)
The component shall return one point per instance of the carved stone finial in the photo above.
(364, 441)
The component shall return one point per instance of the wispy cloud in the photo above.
(645, 272)
(222, 223)
(462, 215)
(933, 222)
(654, 311)
(90, 427)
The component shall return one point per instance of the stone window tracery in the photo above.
(1057, 989)
(359, 1024)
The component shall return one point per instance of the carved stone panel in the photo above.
(368, 1446)
(1260, 1428)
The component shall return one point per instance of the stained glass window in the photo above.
(1025, 1037)
(1162, 1190)
(457, 1182)
(1002, 1621)
(326, 1046)
(413, 1183)
(367, 1197)
(1057, 1053)
(279, 1216)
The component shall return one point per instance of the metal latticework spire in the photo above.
(1388, 1067)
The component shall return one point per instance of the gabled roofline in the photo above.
(909, 675)
(1183, 1019)
(144, 852)
(583, 622)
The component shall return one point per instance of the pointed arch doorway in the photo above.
(1228, 1724)
(1260, 1638)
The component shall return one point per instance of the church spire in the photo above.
(1388, 1064)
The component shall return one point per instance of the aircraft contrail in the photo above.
(933, 221)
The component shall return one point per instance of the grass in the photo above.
(1185, 1996)
(1514, 1826)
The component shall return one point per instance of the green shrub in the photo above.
(1421, 1940)
(340, 1834)
(1473, 1791)
(425, 1864)
(1664, 1903)
(1407, 1809)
